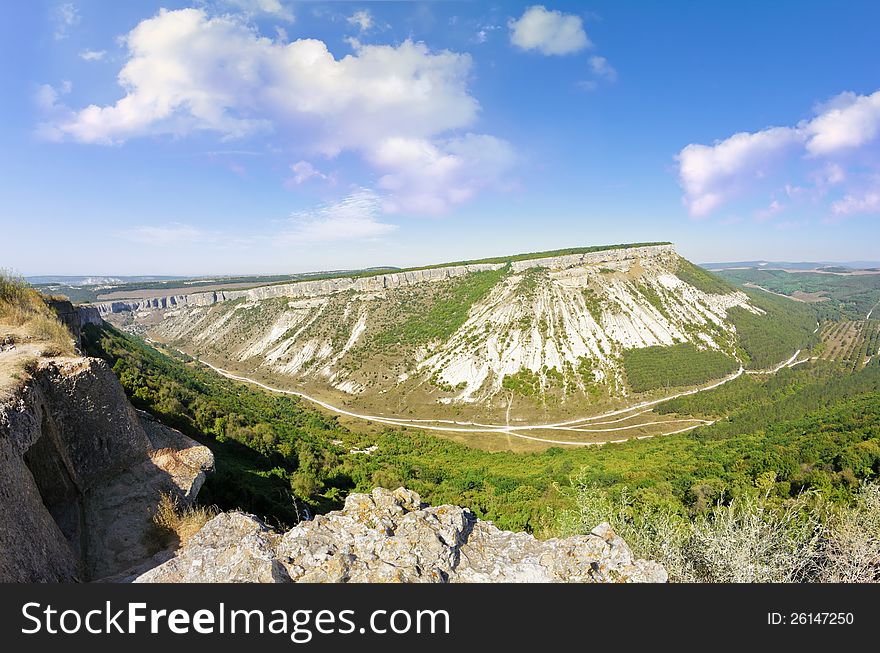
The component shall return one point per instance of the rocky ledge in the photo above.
(81, 473)
(390, 536)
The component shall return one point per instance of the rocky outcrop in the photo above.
(596, 258)
(393, 537)
(379, 282)
(560, 322)
(74, 317)
(80, 475)
(297, 289)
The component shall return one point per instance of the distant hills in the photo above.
(790, 265)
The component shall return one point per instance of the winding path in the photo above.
(503, 429)
(518, 431)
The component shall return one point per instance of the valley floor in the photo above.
(637, 421)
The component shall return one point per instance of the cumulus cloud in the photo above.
(427, 177)
(712, 174)
(356, 217)
(46, 96)
(92, 55)
(818, 158)
(868, 202)
(64, 17)
(362, 19)
(548, 32)
(187, 72)
(848, 122)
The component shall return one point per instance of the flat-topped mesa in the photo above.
(498, 337)
(380, 282)
(596, 258)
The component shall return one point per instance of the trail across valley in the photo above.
(580, 425)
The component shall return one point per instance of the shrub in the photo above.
(174, 521)
(755, 538)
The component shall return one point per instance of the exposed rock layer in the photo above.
(564, 322)
(80, 475)
(393, 537)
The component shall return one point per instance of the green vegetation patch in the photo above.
(650, 368)
(443, 315)
(773, 337)
(806, 428)
(702, 279)
(849, 296)
(525, 383)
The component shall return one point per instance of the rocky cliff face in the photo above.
(562, 323)
(393, 537)
(81, 473)
(297, 289)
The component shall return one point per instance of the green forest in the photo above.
(650, 368)
(845, 295)
(815, 427)
(771, 337)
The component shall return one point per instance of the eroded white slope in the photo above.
(564, 319)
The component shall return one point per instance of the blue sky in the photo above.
(272, 136)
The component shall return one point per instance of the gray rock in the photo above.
(80, 476)
(231, 548)
(390, 536)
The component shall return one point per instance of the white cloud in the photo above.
(275, 8)
(601, 68)
(356, 217)
(868, 202)
(46, 97)
(164, 236)
(848, 122)
(426, 177)
(770, 211)
(712, 174)
(187, 71)
(64, 16)
(362, 19)
(823, 159)
(303, 171)
(92, 55)
(548, 32)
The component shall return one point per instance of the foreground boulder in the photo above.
(390, 536)
(81, 473)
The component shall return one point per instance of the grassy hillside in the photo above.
(22, 306)
(702, 279)
(813, 428)
(420, 322)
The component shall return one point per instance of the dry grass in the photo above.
(22, 306)
(752, 539)
(180, 522)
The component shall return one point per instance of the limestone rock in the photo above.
(231, 548)
(564, 319)
(80, 476)
(390, 536)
